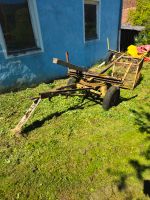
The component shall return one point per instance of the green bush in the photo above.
(141, 17)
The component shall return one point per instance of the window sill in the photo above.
(92, 41)
(24, 53)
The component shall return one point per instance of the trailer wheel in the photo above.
(111, 98)
(71, 81)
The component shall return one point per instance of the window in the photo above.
(18, 26)
(91, 19)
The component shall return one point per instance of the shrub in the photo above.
(141, 17)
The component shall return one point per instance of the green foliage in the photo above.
(141, 17)
(143, 38)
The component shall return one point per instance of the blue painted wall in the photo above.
(62, 30)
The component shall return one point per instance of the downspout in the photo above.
(119, 25)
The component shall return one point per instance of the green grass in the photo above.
(74, 150)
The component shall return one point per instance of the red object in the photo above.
(143, 48)
(147, 59)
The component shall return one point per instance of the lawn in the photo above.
(73, 149)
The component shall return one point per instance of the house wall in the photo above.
(128, 5)
(62, 29)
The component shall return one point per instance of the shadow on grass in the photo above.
(142, 119)
(122, 99)
(38, 123)
(121, 182)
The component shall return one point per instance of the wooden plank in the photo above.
(88, 84)
(103, 63)
(100, 77)
(126, 63)
(53, 93)
(127, 71)
(103, 76)
(67, 56)
(82, 69)
(69, 65)
(111, 64)
(26, 117)
(96, 75)
(130, 57)
(113, 70)
(142, 60)
(135, 79)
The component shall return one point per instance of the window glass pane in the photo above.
(90, 21)
(16, 26)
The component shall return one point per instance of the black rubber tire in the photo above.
(111, 98)
(71, 81)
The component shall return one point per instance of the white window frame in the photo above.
(36, 30)
(97, 3)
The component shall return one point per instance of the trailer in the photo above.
(125, 74)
